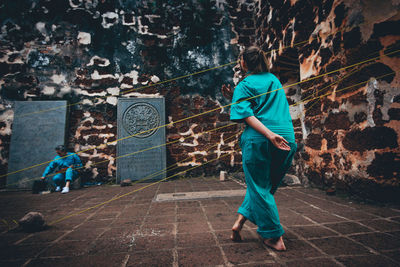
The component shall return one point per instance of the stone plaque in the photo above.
(142, 153)
(38, 127)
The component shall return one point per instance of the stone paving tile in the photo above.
(245, 252)
(105, 246)
(193, 227)
(248, 236)
(9, 238)
(348, 227)
(295, 220)
(98, 260)
(312, 231)
(122, 222)
(87, 234)
(151, 258)
(320, 230)
(195, 240)
(378, 241)
(149, 241)
(382, 225)
(393, 254)
(67, 248)
(339, 246)
(162, 229)
(17, 252)
(321, 262)
(43, 237)
(298, 249)
(369, 260)
(118, 232)
(189, 217)
(201, 256)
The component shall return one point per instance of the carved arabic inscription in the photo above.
(141, 120)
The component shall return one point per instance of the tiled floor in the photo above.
(134, 230)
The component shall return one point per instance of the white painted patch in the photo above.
(135, 94)
(112, 100)
(203, 153)
(73, 5)
(58, 79)
(84, 92)
(155, 79)
(106, 61)
(65, 90)
(87, 102)
(113, 91)
(109, 15)
(41, 27)
(84, 38)
(96, 76)
(144, 29)
(129, 23)
(134, 75)
(48, 90)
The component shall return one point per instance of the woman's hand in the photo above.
(227, 91)
(279, 142)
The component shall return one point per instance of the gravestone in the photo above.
(141, 153)
(38, 127)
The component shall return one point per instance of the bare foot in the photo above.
(237, 227)
(275, 243)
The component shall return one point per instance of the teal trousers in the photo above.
(264, 166)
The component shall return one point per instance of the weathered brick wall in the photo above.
(349, 139)
(91, 53)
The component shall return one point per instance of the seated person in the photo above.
(66, 164)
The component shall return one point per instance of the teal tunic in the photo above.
(264, 165)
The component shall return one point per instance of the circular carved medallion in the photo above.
(140, 119)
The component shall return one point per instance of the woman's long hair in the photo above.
(255, 59)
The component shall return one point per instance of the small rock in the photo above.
(126, 182)
(32, 222)
(290, 179)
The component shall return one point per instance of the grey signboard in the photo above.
(38, 127)
(141, 152)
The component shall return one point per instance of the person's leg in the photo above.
(243, 213)
(69, 176)
(281, 160)
(264, 213)
(237, 227)
(58, 180)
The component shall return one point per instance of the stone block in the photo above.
(141, 154)
(38, 127)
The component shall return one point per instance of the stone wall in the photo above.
(350, 138)
(92, 52)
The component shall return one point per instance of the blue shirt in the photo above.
(261, 95)
(63, 162)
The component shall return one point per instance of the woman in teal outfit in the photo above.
(268, 145)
